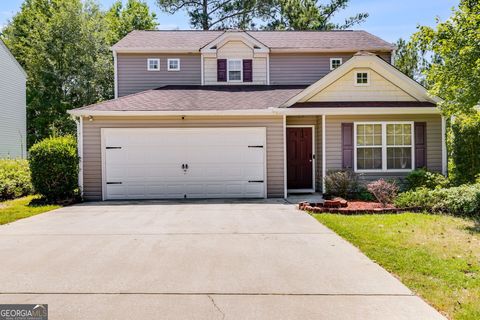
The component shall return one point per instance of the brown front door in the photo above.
(299, 158)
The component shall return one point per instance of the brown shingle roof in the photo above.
(201, 98)
(195, 39)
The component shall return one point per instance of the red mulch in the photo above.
(352, 207)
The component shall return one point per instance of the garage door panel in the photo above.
(221, 162)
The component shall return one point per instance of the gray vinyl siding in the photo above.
(92, 160)
(304, 68)
(134, 77)
(12, 107)
(334, 141)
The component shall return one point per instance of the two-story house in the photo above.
(232, 114)
(13, 106)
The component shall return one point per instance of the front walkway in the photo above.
(198, 260)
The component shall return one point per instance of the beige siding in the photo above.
(133, 75)
(304, 68)
(379, 89)
(334, 139)
(235, 50)
(92, 164)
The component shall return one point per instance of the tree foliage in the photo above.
(270, 14)
(63, 46)
(308, 15)
(455, 75)
(411, 60)
(135, 15)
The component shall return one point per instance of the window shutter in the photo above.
(347, 146)
(420, 131)
(247, 70)
(221, 70)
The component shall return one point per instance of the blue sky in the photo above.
(389, 20)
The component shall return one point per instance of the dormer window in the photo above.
(335, 63)
(153, 64)
(234, 70)
(362, 78)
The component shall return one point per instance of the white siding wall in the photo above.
(12, 107)
(235, 50)
(379, 89)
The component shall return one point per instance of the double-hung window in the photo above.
(153, 64)
(383, 146)
(173, 64)
(234, 70)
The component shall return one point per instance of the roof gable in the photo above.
(387, 84)
(234, 36)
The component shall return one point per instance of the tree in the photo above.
(276, 14)
(455, 75)
(411, 60)
(309, 15)
(62, 46)
(215, 14)
(121, 20)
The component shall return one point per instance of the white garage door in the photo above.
(183, 163)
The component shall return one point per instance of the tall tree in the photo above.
(135, 15)
(215, 14)
(455, 74)
(411, 60)
(309, 15)
(62, 46)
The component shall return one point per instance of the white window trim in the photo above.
(168, 64)
(241, 70)
(148, 64)
(384, 146)
(331, 62)
(361, 84)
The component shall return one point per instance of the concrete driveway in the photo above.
(201, 260)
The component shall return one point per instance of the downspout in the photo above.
(444, 146)
(115, 75)
(285, 191)
(79, 123)
(324, 155)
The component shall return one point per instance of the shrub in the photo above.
(14, 179)
(341, 183)
(463, 200)
(54, 166)
(464, 142)
(422, 178)
(385, 192)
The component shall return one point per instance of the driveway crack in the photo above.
(216, 306)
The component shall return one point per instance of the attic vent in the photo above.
(214, 47)
(256, 47)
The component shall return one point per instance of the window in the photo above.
(335, 63)
(362, 78)
(234, 70)
(173, 64)
(384, 146)
(153, 64)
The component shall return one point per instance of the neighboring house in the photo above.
(213, 114)
(13, 110)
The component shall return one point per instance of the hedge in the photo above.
(54, 166)
(14, 179)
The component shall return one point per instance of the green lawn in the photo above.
(20, 208)
(438, 257)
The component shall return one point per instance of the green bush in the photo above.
(14, 179)
(422, 178)
(464, 144)
(463, 200)
(341, 183)
(54, 166)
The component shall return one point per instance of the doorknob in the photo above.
(183, 166)
(186, 166)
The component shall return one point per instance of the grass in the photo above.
(436, 256)
(13, 210)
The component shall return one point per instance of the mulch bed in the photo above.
(339, 205)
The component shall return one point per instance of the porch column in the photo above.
(285, 193)
(444, 146)
(324, 156)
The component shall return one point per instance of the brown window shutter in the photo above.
(221, 70)
(347, 146)
(247, 70)
(420, 131)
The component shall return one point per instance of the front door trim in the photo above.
(314, 160)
